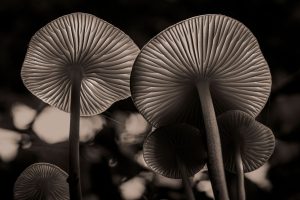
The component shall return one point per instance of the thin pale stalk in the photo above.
(215, 160)
(185, 180)
(240, 175)
(74, 166)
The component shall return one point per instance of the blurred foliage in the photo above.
(112, 160)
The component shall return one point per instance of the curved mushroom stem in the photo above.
(74, 167)
(215, 160)
(185, 180)
(240, 174)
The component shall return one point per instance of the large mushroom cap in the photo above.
(255, 140)
(103, 52)
(42, 181)
(166, 144)
(212, 48)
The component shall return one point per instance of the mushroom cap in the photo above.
(255, 140)
(213, 48)
(42, 181)
(103, 53)
(163, 146)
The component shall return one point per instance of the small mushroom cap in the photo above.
(42, 181)
(166, 144)
(102, 53)
(255, 140)
(213, 48)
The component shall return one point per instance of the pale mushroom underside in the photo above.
(42, 181)
(101, 52)
(212, 48)
(165, 145)
(255, 140)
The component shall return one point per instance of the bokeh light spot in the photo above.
(22, 115)
(9, 144)
(52, 126)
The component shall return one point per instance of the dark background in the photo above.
(276, 24)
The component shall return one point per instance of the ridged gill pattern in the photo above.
(42, 181)
(212, 48)
(255, 140)
(163, 146)
(78, 41)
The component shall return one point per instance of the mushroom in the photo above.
(79, 64)
(246, 145)
(42, 181)
(176, 151)
(211, 58)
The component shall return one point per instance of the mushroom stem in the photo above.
(185, 180)
(232, 185)
(215, 160)
(240, 175)
(74, 167)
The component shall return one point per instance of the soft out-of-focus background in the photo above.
(111, 158)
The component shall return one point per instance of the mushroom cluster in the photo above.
(180, 81)
(196, 69)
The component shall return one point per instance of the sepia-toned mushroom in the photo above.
(80, 64)
(198, 68)
(176, 151)
(42, 181)
(246, 144)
